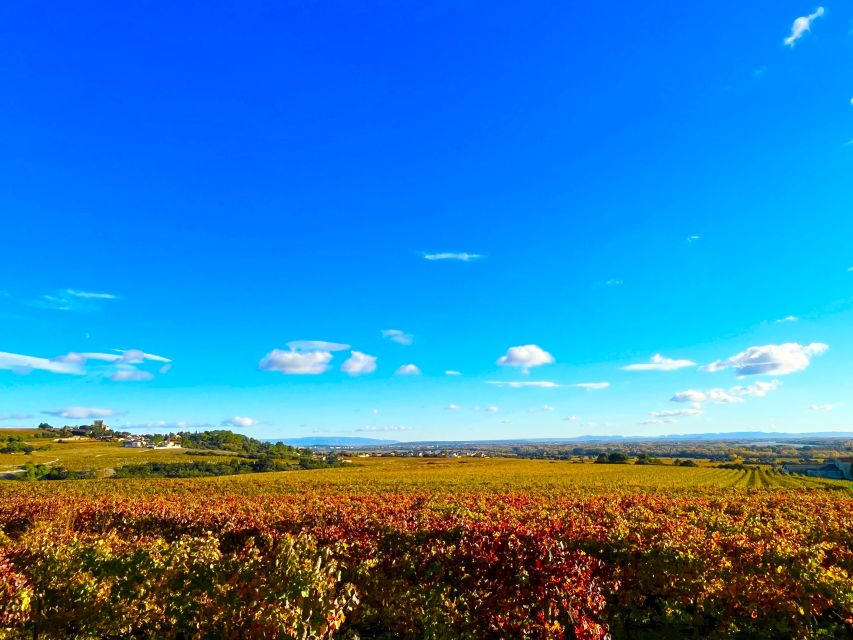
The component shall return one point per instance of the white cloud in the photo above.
(164, 369)
(659, 363)
(771, 359)
(374, 411)
(296, 362)
(24, 364)
(659, 421)
(239, 422)
(82, 413)
(718, 396)
(821, 407)
(787, 319)
(129, 373)
(491, 409)
(460, 256)
(317, 345)
(802, 25)
(692, 239)
(15, 416)
(756, 390)
(548, 408)
(517, 384)
(571, 418)
(452, 407)
(676, 413)
(389, 428)
(398, 336)
(452, 372)
(90, 295)
(408, 370)
(614, 282)
(359, 363)
(525, 357)
(591, 385)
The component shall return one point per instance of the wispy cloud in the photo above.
(317, 345)
(591, 386)
(452, 407)
(519, 384)
(15, 416)
(20, 363)
(757, 389)
(659, 363)
(408, 370)
(398, 336)
(129, 373)
(72, 300)
(614, 282)
(90, 295)
(359, 364)
(803, 25)
(452, 372)
(787, 319)
(388, 428)
(692, 239)
(525, 357)
(771, 359)
(448, 255)
(82, 413)
(821, 407)
(676, 413)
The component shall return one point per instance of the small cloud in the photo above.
(452, 372)
(592, 386)
(759, 72)
(398, 336)
(164, 369)
(659, 363)
(692, 239)
(72, 300)
(821, 407)
(452, 407)
(802, 25)
(571, 418)
(525, 357)
(239, 422)
(518, 384)
(359, 364)
(296, 362)
(82, 413)
(129, 373)
(717, 396)
(787, 319)
(659, 421)
(460, 256)
(389, 428)
(757, 389)
(15, 416)
(614, 282)
(491, 409)
(408, 370)
(374, 411)
(548, 408)
(771, 359)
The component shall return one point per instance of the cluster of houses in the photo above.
(832, 468)
(146, 442)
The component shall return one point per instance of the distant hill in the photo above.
(332, 442)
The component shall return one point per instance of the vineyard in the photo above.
(440, 549)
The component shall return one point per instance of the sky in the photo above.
(414, 221)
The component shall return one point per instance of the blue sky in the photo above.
(208, 210)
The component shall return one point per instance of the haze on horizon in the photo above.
(428, 222)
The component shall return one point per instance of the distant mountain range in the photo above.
(736, 435)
